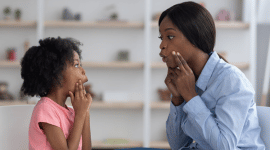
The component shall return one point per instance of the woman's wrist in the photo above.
(177, 100)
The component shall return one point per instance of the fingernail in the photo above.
(173, 52)
(178, 53)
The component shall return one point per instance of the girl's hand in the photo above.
(184, 79)
(81, 101)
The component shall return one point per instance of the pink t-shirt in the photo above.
(46, 110)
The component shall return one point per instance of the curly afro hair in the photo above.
(42, 65)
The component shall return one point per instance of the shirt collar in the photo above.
(207, 71)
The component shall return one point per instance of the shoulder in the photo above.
(227, 77)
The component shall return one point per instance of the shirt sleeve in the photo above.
(176, 137)
(47, 113)
(222, 130)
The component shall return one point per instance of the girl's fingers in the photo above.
(84, 92)
(81, 89)
(77, 96)
(71, 96)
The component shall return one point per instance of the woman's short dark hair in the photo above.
(195, 22)
(42, 65)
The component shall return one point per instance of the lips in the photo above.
(164, 59)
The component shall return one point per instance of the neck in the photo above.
(197, 62)
(58, 97)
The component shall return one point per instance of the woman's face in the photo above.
(73, 74)
(172, 39)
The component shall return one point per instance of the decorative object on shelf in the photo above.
(18, 14)
(67, 14)
(223, 15)
(26, 45)
(7, 13)
(202, 3)
(11, 54)
(4, 94)
(156, 16)
(110, 14)
(114, 17)
(116, 141)
(123, 55)
(164, 94)
(77, 16)
(88, 89)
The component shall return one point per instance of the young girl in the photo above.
(213, 104)
(53, 71)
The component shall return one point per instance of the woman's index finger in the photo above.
(184, 63)
(178, 61)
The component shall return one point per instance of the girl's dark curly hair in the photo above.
(42, 65)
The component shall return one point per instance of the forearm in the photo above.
(86, 134)
(176, 137)
(76, 132)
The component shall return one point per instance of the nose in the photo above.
(162, 45)
(83, 71)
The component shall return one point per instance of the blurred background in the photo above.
(121, 57)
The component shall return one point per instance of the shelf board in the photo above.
(160, 144)
(114, 105)
(231, 24)
(12, 64)
(240, 65)
(94, 105)
(131, 144)
(94, 24)
(14, 102)
(220, 24)
(160, 105)
(137, 65)
(31, 24)
(115, 64)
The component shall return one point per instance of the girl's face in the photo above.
(73, 74)
(172, 39)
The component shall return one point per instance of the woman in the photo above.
(212, 101)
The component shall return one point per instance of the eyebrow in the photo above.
(76, 59)
(168, 29)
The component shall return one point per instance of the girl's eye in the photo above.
(77, 65)
(170, 37)
(160, 37)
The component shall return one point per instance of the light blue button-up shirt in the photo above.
(222, 117)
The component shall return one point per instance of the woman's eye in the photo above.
(77, 65)
(170, 37)
(160, 37)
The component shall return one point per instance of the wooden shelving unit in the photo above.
(160, 144)
(134, 65)
(160, 105)
(103, 145)
(220, 24)
(93, 24)
(159, 65)
(100, 104)
(13, 24)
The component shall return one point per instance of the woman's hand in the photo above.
(184, 78)
(81, 101)
(177, 99)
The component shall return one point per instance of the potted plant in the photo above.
(7, 12)
(18, 14)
